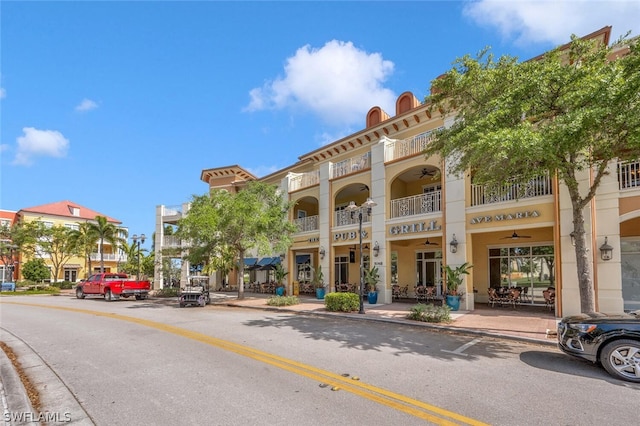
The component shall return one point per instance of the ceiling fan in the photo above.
(426, 172)
(428, 243)
(515, 236)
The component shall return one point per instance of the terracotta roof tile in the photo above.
(67, 209)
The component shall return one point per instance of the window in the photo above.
(72, 226)
(530, 267)
(47, 224)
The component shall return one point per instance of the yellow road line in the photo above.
(393, 400)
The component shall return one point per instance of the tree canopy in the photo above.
(572, 109)
(255, 218)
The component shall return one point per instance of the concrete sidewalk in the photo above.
(533, 324)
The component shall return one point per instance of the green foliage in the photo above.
(106, 231)
(168, 292)
(565, 112)
(429, 313)
(342, 302)
(372, 277)
(317, 277)
(58, 244)
(280, 274)
(283, 301)
(84, 240)
(455, 277)
(35, 270)
(63, 285)
(255, 218)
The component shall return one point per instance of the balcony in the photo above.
(303, 180)
(352, 165)
(629, 174)
(109, 257)
(308, 224)
(343, 218)
(171, 241)
(416, 205)
(404, 148)
(172, 210)
(510, 191)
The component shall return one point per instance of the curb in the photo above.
(59, 405)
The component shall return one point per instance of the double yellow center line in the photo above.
(390, 399)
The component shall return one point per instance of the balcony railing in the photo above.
(109, 257)
(343, 218)
(352, 165)
(309, 223)
(510, 192)
(416, 204)
(629, 174)
(303, 180)
(395, 150)
(172, 210)
(171, 241)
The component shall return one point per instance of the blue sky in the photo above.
(119, 106)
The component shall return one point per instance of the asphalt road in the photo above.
(152, 363)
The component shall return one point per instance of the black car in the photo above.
(611, 340)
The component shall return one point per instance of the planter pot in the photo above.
(372, 297)
(453, 302)
(320, 293)
(279, 291)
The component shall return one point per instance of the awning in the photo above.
(71, 266)
(267, 263)
(303, 258)
(250, 261)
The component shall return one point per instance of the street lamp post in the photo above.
(138, 240)
(353, 208)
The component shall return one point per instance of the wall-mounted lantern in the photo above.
(376, 249)
(453, 245)
(606, 251)
(321, 252)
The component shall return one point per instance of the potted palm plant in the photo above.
(372, 277)
(454, 281)
(318, 282)
(280, 276)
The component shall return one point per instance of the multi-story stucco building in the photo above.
(71, 215)
(425, 218)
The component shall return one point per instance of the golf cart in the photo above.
(196, 292)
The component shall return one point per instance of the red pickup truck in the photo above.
(112, 286)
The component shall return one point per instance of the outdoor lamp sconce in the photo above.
(606, 251)
(376, 249)
(573, 238)
(322, 252)
(453, 245)
(282, 256)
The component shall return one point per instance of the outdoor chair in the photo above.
(549, 298)
(494, 297)
(421, 293)
(395, 292)
(513, 298)
(430, 294)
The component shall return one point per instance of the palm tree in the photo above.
(107, 232)
(84, 240)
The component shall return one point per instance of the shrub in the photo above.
(35, 270)
(63, 285)
(283, 300)
(429, 313)
(168, 292)
(342, 302)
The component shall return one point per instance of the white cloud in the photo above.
(553, 21)
(338, 82)
(40, 143)
(86, 105)
(3, 93)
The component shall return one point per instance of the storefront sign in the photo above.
(504, 216)
(415, 227)
(352, 235)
